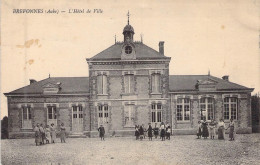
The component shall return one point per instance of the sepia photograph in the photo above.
(142, 82)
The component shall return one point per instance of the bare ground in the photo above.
(179, 150)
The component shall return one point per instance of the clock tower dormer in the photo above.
(128, 48)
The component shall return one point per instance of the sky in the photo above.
(200, 36)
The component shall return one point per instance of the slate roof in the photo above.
(80, 85)
(188, 82)
(69, 85)
(142, 52)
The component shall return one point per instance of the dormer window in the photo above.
(128, 49)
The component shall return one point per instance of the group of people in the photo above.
(46, 135)
(163, 131)
(206, 130)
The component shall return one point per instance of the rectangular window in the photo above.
(27, 113)
(230, 108)
(102, 84)
(129, 115)
(156, 112)
(179, 112)
(129, 83)
(80, 111)
(206, 108)
(183, 109)
(102, 114)
(156, 78)
(26, 117)
(51, 112)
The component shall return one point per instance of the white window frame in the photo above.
(28, 117)
(183, 104)
(128, 77)
(53, 112)
(103, 114)
(103, 87)
(156, 110)
(156, 83)
(229, 103)
(206, 107)
(129, 108)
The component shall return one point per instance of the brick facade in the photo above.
(128, 84)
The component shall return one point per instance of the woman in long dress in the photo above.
(48, 134)
(53, 133)
(231, 127)
(150, 132)
(212, 129)
(62, 133)
(205, 131)
(199, 133)
(221, 130)
(37, 135)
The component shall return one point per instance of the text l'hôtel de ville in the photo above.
(55, 11)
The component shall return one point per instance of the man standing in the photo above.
(101, 131)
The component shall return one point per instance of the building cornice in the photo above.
(219, 91)
(118, 62)
(45, 95)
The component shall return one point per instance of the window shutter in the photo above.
(99, 84)
(153, 83)
(132, 85)
(104, 84)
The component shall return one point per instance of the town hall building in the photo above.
(128, 84)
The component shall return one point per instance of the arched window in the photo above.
(206, 108)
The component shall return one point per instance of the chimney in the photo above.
(225, 78)
(161, 47)
(32, 81)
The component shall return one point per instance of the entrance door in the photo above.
(103, 117)
(77, 119)
(52, 115)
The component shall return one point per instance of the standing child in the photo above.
(42, 134)
(231, 127)
(137, 132)
(168, 133)
(53, 133)
(47, 134)
(156, 131)
(150, 132)
(101, 131)
(162, 128)
(212, 129)
(141, 132)
(199, 133)
(37, 134)
(62, 133)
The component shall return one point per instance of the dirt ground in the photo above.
(126, 150)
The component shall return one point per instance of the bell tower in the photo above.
(128, 47)
(128, 32)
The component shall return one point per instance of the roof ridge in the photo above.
(28, 85)
(72, 77)
(104, 50)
